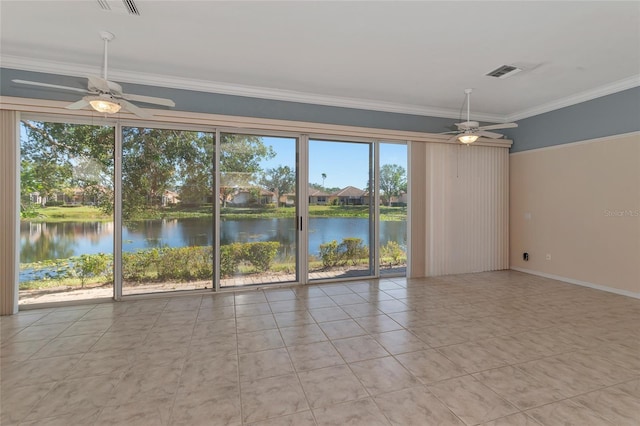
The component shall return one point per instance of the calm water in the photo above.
(41, 241)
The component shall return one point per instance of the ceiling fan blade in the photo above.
(101, 85)
(148, 99)
(450, 133)
(488, 134)
(134, 109)
(499, 126)
(78, 105)
(453, 138)
(50, 86)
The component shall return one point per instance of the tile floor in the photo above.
(499, 348)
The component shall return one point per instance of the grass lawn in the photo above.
(93, 214)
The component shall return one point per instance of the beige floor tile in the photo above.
(253, 309)
(314, 355)
(378, 324)
(39, 371)
(347, 299)
(302, 334)
(287, 306)
(304, 418)
(203, 405)
(632, 387)
(293, 319)
(84, 416)
(519, 388)
(471, 356)
(269, 363)
(142, 384)
(273, 397)
(250, 297)
(614, 404)
(415, 406)
(430, 366)
(471, 401)
(40, 332)
(400, 341)
(84, 395)
(211, 368)
(567, 412)
(342, 329)
(255, 323)
(363, 412)
(17, 402)
(383, 375)
(330, 386)
(518, 419)
(359, 348)
(155, 412)
(361, 310)
(259, 341)
(328, 314)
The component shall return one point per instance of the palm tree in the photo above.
(324, 176)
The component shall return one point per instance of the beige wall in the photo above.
(580, 204)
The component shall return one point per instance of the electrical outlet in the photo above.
(548, 257)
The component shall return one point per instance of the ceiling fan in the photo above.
(469, 131)
(103, 95)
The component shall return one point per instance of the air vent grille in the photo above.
(131, 7)
(504, 71)
(120, 6)
(104, 5)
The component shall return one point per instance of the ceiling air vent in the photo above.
(104, 5)
(120, 6)
(131, 7)
(504, 71)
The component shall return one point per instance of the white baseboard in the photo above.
(578, 282)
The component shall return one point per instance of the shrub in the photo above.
(260, 254)
(185, 263)
(141, 266)
(353, 250)
(392, 251)
(329, 254)
(229, 259)
(92, 265)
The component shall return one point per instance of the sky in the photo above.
(344, 163)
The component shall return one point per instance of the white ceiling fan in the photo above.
(103, 95)
(469, 131)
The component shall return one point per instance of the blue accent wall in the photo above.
(609, 115)
(605, 116)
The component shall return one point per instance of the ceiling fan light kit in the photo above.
(468, 139)
(103, 105)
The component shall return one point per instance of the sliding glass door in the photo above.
(167, 210)
(341, 209)
(258, 207)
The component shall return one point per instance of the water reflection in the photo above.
(44, 241)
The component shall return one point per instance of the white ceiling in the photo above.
(414, 57)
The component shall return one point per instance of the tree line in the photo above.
(61, 157)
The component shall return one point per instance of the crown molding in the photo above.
(76, 70)
(608, 89)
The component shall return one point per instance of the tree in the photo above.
(280, 180)
(324, 176)
(393, 180)
(55, 158)
(240, 158)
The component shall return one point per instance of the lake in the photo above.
(41, 240)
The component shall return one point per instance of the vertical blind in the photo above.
(464, 218)
(9, 168)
